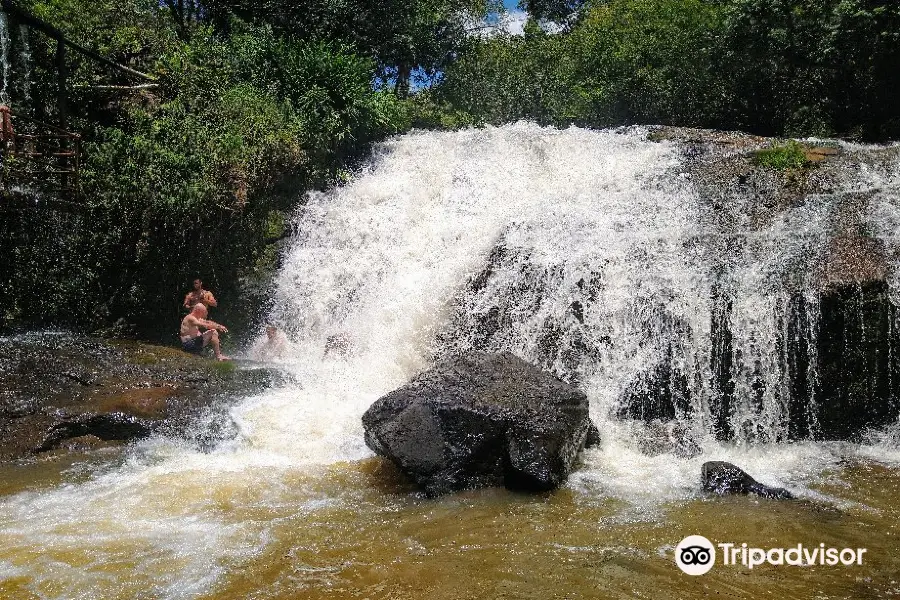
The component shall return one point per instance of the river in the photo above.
(595, 254)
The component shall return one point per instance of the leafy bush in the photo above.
(813, 67)
(507, 78)
(626, 61)
(773, 67)
(192, 179)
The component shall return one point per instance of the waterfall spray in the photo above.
(594, 254)
(25, 58)
(5, 44)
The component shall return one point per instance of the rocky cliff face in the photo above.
(772, 317)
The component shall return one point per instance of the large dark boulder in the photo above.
(481, 420)
(724, 478)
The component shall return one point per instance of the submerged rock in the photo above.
(482, 420)
(101, 426)
(724, 478)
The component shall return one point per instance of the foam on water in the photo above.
(380, 280)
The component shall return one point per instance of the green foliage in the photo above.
(627, 61)
(648, 61)
(223, 368)
(426, 111)
(191, 179)
(782, 157)
(774, 67)
(399, 35)
(552, 10)
(507, 78)
(814, 67)
(260, 100)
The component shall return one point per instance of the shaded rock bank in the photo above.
(482, 420)
(63, 392)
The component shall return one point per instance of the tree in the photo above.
(820, 67)
(402, 36)
(184, 14)
(557, 11)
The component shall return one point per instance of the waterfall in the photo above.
(603, 256)
(25, 58)
(5, 45)
(590, 254)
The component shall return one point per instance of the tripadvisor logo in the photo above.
(696, 555)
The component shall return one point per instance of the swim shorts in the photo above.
(193, 345)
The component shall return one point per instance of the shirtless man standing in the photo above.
(192, 340)
(199, 295)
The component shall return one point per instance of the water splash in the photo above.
(5, 46)
(591, 253)
(588, 253)
(26, 61)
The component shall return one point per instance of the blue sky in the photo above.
(419, 81)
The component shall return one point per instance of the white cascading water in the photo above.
(5, 45)
(26, 60)
(379, 281)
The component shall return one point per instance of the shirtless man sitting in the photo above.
(199, 295)
(192, 340)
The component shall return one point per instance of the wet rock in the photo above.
(13, 406)
(149, 402)
(512, 288)
(858, 364)
(660, 393)
(111, 426)
(724, 478)
(840, 351)
(481, 420)
(593, 439)
(86, 443)
(60, 391)
(818, 154)
(854, 358)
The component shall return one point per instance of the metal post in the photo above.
(61, 91)
(77, 188)
(62, 107)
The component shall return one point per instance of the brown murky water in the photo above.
(495, 544)
(355, 530)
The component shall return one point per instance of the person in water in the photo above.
(199, 296)
(193, 340)
(275, 345)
